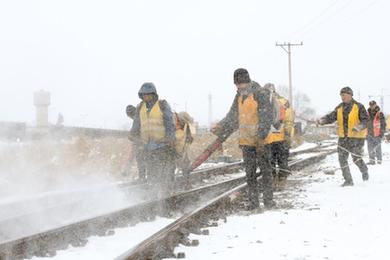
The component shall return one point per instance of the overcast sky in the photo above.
(93, 55)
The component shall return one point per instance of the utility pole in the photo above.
(210, 110)
(288, 50)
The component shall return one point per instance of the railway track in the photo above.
(162, 243)
(46, 242)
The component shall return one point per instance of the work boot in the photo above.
(282, 182)
(269, 204)
(379, 162)
(365, 176)
(347, 183)
(275, 182)
(371, 163)
(252, 206)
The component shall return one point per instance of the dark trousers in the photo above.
(355, 147)
(280, 152)
(141, 165)
(252, 158)
(160, 170)
(374, 148)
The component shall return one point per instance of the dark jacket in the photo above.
(135, 132)
(347, 107)
(230, 123)
(382, 120)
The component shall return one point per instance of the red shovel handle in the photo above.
(206, 153)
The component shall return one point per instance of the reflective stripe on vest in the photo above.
(248, 120)
(376, 125)
(152, 123)
(353, 120)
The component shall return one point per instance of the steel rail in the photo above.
(161, 244)
(47, 242)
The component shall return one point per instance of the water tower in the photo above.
(41, 103)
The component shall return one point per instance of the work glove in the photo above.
(274, 129)
(276, 126)
(320, 121)
(131, 111)
(218, 131)
(357, 128)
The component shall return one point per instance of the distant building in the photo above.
(42, 103)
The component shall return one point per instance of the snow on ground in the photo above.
(109, 247)
(210, 165)
(334, 223)
(304, 146)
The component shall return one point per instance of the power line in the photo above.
(313, 20)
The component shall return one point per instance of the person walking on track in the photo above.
(251, 113)
(352, 119)
(280, 139)
(376, 130)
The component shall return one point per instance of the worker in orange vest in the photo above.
(280, 139)
(376, 130)
(252, 115)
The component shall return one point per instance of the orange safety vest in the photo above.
(282, 109)
(377, 125)
(288, 121)
(248, 120)
(353, 120)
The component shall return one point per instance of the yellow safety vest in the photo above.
(152, 123)
(181, 139)
(248, 120)
(289, 121)
(353, 120)
(288, 125)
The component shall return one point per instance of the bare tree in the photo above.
(302, 103)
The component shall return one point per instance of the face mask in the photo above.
(244, 91)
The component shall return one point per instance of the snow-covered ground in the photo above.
(109, 247)
(326, 222)
(304, 146)
(331, 223)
